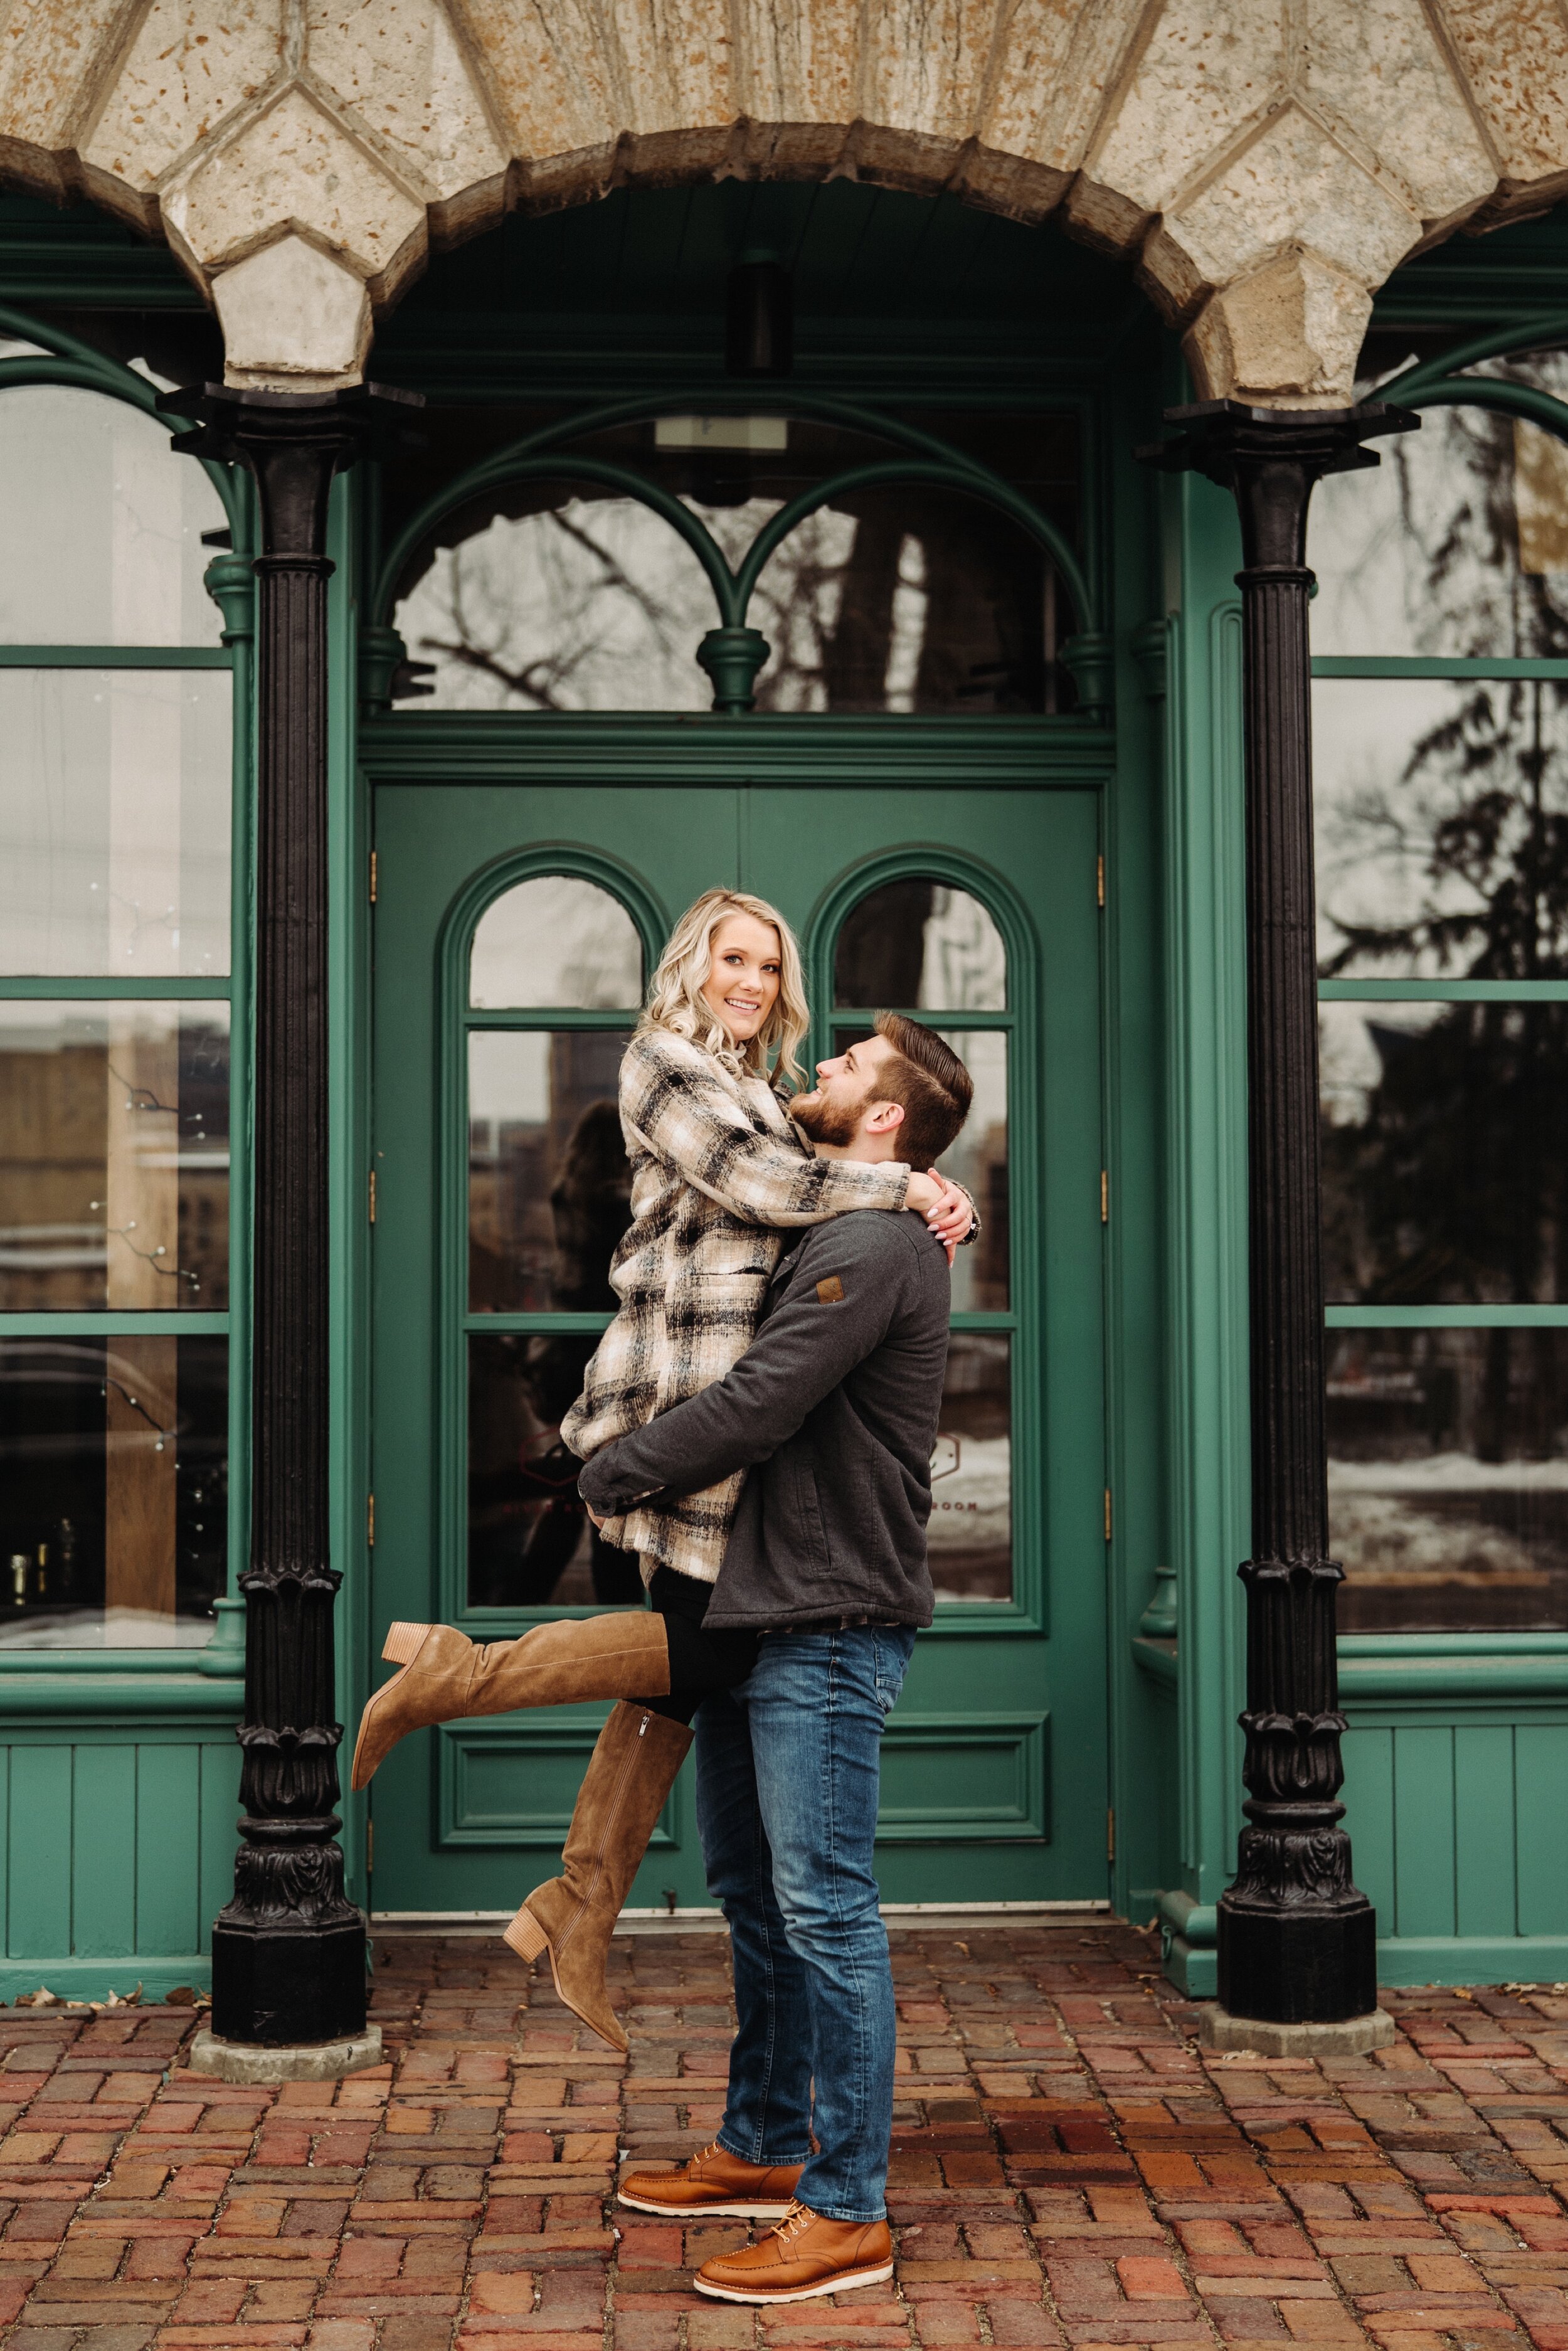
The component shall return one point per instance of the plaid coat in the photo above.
(717, 1172)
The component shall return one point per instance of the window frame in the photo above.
(68, 363)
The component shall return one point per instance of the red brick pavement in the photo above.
(1067, 2170)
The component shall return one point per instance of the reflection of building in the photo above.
(998, 702)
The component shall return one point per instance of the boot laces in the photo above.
(799, 2218)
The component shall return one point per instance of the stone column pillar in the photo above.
(289, 1949)
(1297, 1939)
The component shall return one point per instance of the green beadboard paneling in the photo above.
(168, 1789)
(219, 1816)
(1541, 1782)
(40, 1853)
(103, 1850)
(1484, 1845)
(1369, 1814)
(1424, 1831)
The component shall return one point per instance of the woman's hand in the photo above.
(947, 1208)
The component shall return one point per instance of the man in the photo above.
(833, 1409)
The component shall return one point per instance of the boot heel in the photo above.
(403, 1643)
(526, 1936)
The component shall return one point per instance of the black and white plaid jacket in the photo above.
(718, 1172)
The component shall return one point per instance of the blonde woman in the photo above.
(718, 1175)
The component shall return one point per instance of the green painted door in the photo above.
(511, 928)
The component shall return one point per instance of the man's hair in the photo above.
(931, 1083)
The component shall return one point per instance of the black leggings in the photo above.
(701, 1664)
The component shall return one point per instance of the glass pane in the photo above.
(549, 1187)
(114, 1157)
(971, 1535)
(113, 1492)
(100, 525)
(114, 822)
(1448, 1479)
(1442, 827)
(556, 940)
(919, 945)
(529, 1541)
(1445, 1153)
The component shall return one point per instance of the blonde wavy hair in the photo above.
(675, 1000)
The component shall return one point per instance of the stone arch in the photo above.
(1268, 163)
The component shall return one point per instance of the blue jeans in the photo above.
(788, 1770)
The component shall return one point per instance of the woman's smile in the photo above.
(743, 975)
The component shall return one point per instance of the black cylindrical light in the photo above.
(759, 318)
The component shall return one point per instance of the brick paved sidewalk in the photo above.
(1067, 2170)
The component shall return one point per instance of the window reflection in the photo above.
(549, 1180)
(917, 945)
(114, 822)
(970, 1536)
(530, 1541)
(101, 525)
(1445, 1153)
(113, 1490)
(1442, 827)
(556, 940)
(114, 1157)
(1449, 1478)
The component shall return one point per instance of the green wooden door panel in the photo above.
(104, 1851)
(1486, 1896)
(995, 1770)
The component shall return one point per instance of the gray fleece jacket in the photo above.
(834, 1410)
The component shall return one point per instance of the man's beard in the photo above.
(835, 1123)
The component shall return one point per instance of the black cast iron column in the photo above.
(288, 1950)
(1297, 1940)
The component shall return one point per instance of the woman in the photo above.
(718, 1175)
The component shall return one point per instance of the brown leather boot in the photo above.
(714, 2183)
(446, 1675)
(804, 2256)
(573, 1916)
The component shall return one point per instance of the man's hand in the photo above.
(593, 1515)
(947, 1207)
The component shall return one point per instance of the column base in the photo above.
(290, 1986)
(318, 2061)
(1352, 2036)
(1295, 1965)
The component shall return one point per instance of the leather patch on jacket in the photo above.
(830, 1290)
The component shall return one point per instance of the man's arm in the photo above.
(840, 1304)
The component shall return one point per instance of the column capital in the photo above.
(292, 443)
(1271, 459)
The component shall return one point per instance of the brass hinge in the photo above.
(1110, 1832)
(371, 1522)
(372, 1196)
(1099, 880)
(373, 877)
(1107, 1513)
(369, 1846)
(1105, 1197)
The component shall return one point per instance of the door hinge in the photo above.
(1107, 1513)
(372, 1196)
(1105, 1197)
(1110, 1832)
(373, 877)
(371, 1522)
(1099, 880)
(369, 1846)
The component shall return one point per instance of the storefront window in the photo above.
(115, 899)
(1442, 822)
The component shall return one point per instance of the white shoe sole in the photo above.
(702, 2211)
(845, 2284)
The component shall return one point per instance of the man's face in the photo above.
(845, 1089)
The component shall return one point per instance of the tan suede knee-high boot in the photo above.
(446, 1675)
(573, 1916)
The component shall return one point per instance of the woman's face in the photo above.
(742, 984)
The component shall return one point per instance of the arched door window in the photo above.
(115, 897)
(920, 944)
(554, 981)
